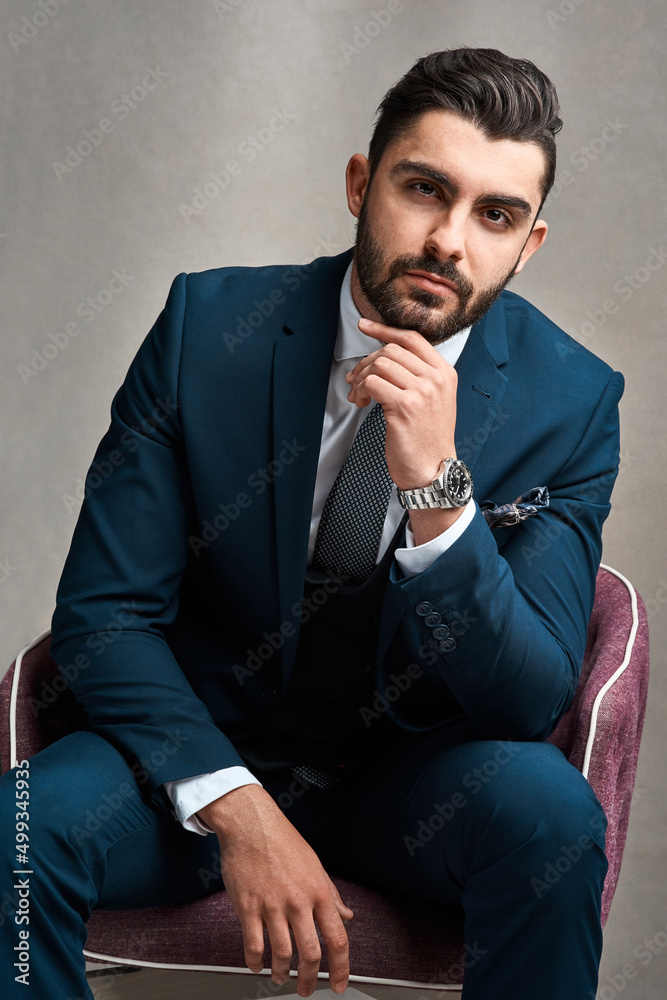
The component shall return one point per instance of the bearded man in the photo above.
(295, 633)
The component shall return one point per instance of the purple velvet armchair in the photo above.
(393, 940)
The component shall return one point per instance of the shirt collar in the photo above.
(352, 343)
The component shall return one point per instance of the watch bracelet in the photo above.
(426, 499)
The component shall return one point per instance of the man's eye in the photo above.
(424, 188)
(495, 215)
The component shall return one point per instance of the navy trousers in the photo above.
(511, 831)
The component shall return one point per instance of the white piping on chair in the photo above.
(14, 695)
(617, 673)
(245, 971)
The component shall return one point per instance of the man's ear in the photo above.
(538, 235)
(356, 182)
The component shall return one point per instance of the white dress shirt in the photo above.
(341, 422)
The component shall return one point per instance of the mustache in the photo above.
(440, 268)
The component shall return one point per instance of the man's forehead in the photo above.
(455, 146)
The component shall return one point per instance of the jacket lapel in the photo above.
(481, 388)
(301, 366)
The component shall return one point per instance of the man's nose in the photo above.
(447, 239)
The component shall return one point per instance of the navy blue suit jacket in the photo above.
(190, 550)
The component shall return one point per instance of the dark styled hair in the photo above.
(506, 98)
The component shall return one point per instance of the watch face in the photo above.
(459, 483)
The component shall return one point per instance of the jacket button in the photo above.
(448, 645)
(432, 619)
(440, 632)
(424, 608)
(269, 698)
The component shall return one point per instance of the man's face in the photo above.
(444, 225)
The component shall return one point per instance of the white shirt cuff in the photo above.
(190, 794)
(414, 559)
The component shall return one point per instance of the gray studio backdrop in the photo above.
(141, 139)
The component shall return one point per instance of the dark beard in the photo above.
(418, 312)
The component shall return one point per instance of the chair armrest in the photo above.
(601, 732)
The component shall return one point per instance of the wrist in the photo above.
(230, 811)
(428, 524)
(424, 474)
(452, 487)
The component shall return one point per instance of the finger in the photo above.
(252, 929)
(310, 953)
(392, 362)
(396, 353)
(338, 947)
(410, 339)
(381, 391)
(385, 368)
(345, 911)
(281, 948)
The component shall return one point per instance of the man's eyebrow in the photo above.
(416, 167)
(523, 207)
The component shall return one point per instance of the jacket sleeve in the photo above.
(516, 601)
(120, 583)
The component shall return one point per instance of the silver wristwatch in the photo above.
(452, 487)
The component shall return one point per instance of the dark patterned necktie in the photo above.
(354, 513)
